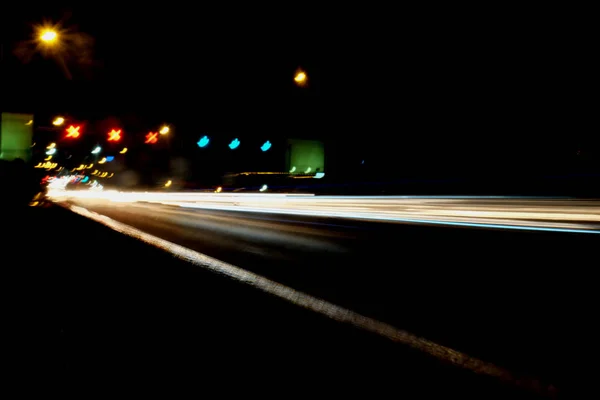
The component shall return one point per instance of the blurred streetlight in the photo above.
(123, 151)
(97, 150)
(58, 121)
(164, 130)
(48, 36)
(300, 78)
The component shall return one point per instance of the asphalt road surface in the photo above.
(521, 300)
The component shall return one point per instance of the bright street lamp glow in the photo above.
(48, 36)
(97, 150)
(164, 130)
(58, 121)
(300, 78)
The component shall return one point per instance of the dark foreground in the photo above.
(89, 310)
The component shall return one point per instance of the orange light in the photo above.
(114, 135)
(152, 137)
(73, 131)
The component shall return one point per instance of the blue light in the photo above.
(266, 146)
(234, 144)
(203, 142)
(109, 158)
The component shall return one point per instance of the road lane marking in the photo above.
(320, 306)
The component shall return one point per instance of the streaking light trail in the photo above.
(558, 215)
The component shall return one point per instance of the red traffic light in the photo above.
(152, 137)
(73, 131)
(114, 135)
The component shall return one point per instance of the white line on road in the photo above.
(318, 305)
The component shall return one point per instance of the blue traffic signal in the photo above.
(266, 146)
(203, 142)
(234, 144)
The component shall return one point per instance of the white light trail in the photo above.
(560, 215)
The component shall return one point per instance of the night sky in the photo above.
(439, 90)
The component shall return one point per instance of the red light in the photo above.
(73, 131)
(152, 137)
(114, 135)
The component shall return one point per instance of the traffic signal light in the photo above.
(266, 146)
(73, 131)
(114, 135)
(234, 144)
(151, 137)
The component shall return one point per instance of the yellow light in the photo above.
(51, 146)
(219, 189)
(300, 77)
(168, 183)
(102, 161)
(164, 130)
(58, 121)
(48, 158)
(49, 36)
(90, 166)
(47, 165)
(123, 151)
(30, 122)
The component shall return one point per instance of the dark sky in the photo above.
(449, 84)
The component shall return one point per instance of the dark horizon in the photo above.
(446, 93)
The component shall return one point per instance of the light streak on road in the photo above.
(561, 215)
(321, 306)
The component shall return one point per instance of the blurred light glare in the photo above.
(49, 36)
(300, 78)
(114, 135)
(58, 121)
(164, 130)
(73, 131)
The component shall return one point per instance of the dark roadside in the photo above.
(92, 310)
